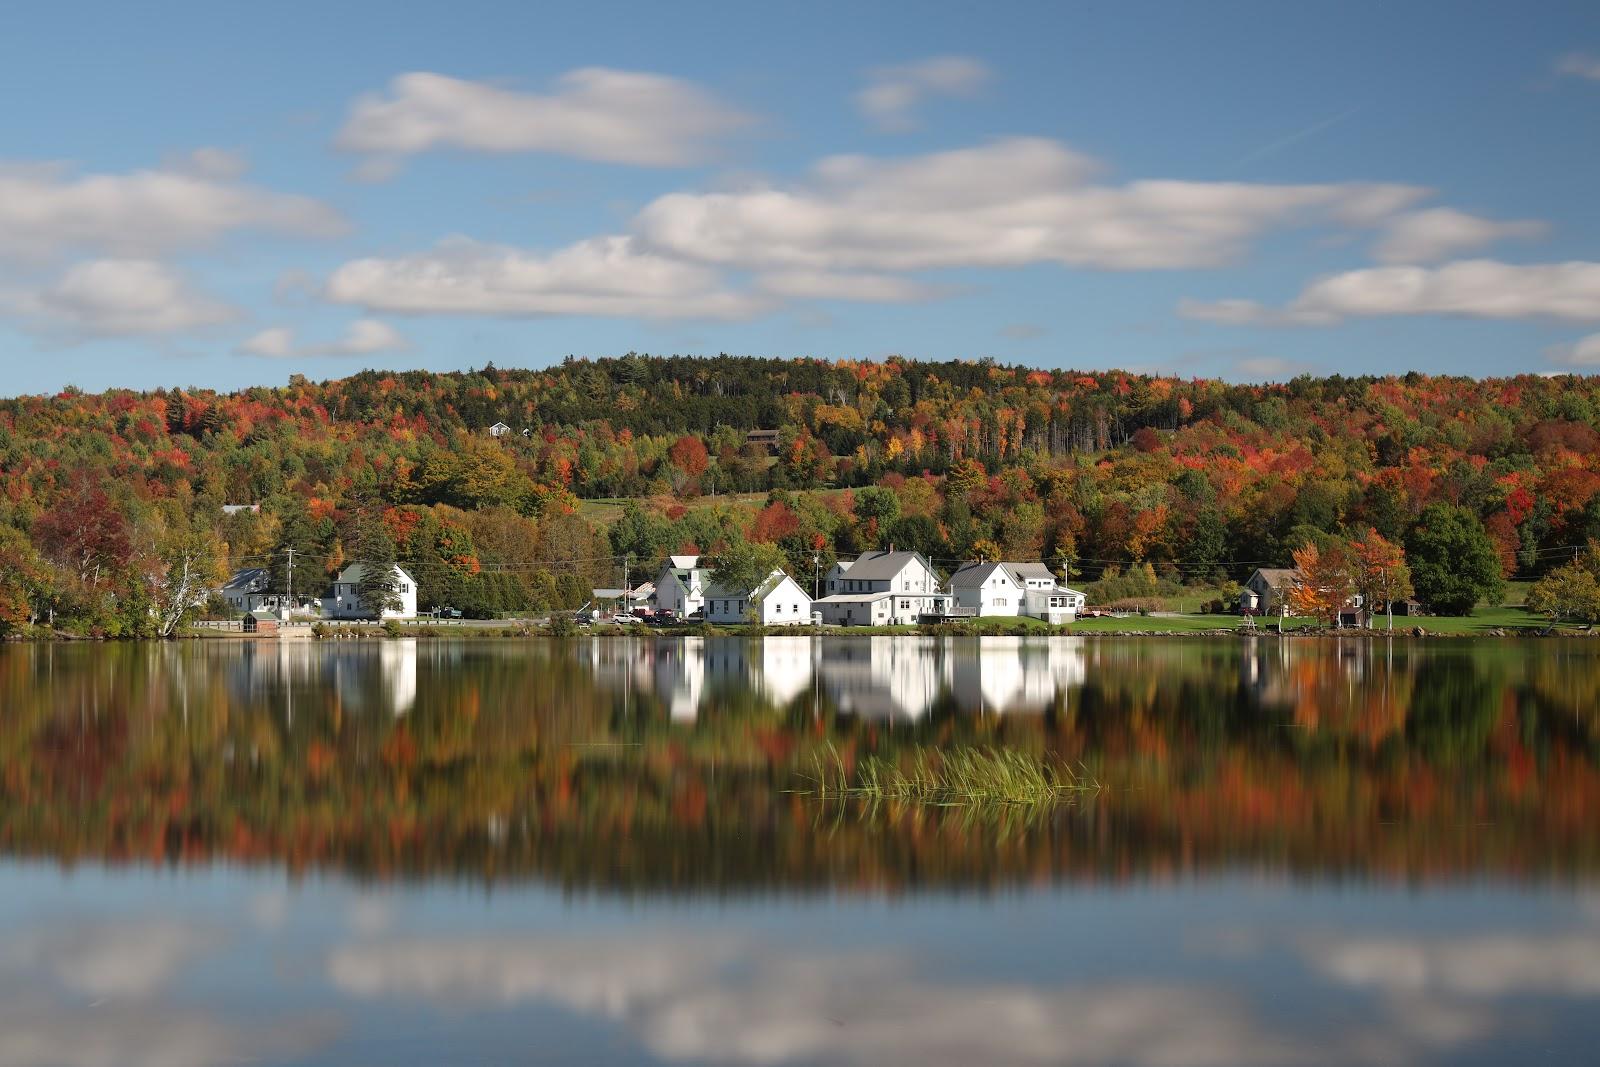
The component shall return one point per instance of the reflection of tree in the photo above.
(565, 761)
(1453, 710)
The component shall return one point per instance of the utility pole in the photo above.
(289, 595)
(816, 574)
(627, 590)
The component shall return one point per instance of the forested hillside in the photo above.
(108, 501)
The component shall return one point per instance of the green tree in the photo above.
(745, 564)
(1453, 561)
(1569, 593)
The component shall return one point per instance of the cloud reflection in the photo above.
(687, 998)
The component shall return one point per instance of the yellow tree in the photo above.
(1380, 571)
(1325, 583)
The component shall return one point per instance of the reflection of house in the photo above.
(882, 588)
(343, 600)
(680, 586)
(1266, 591)
(786, 668)
(397, 662)
(883, 677)
(777, 601)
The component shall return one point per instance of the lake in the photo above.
(611, 851)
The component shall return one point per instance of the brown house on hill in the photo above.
(1266, 591)
(767, 439)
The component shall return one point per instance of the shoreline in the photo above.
(512, 631)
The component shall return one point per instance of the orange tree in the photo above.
(1379, 571)
(1326, 581)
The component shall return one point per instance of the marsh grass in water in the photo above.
(962, 777)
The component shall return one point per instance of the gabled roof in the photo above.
(1033, 569)
(1276, 576)
(882, 566)
(772, 581)
(354, 571)
(973, 575)
(683, 563)
(249, 580)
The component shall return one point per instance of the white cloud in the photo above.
(218, 164)
(893, 93)
(120, 297)
(1579, 65)
(601, 276)
(1268, 368)
(1584, 352)
(1477, 288)
(1007, 204)
(609, 115)
(824, 285)
(45, 211)
(363, 337)
(1442, 232)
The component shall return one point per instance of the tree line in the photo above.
(112, 521)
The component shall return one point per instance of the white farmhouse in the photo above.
(343, 600)
(680, 586)
(986, 589)
(1043, 596)
(777, 601)
(882, 589)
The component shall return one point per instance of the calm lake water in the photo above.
(605, 852)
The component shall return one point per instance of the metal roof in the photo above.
(881, 566)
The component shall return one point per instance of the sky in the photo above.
(222, 195)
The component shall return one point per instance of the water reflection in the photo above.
(653, 764)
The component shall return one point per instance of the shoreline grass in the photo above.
(963, 777)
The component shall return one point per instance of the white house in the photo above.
(1031, 589)
(1043, 596)
(882, 589)
(1266, 591)
(680, 586)
(499, 429)
(984, 589)
(246, 591)
(343, 600)
(777, 601)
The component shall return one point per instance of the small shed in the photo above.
(261, 623)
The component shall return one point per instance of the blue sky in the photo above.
(193, 194)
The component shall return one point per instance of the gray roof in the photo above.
(1034, 569)
(857, 598)
(972, 575)
(771, 582)
(1278, 575)
(249, 580)
(354, 572)
(882, 566)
